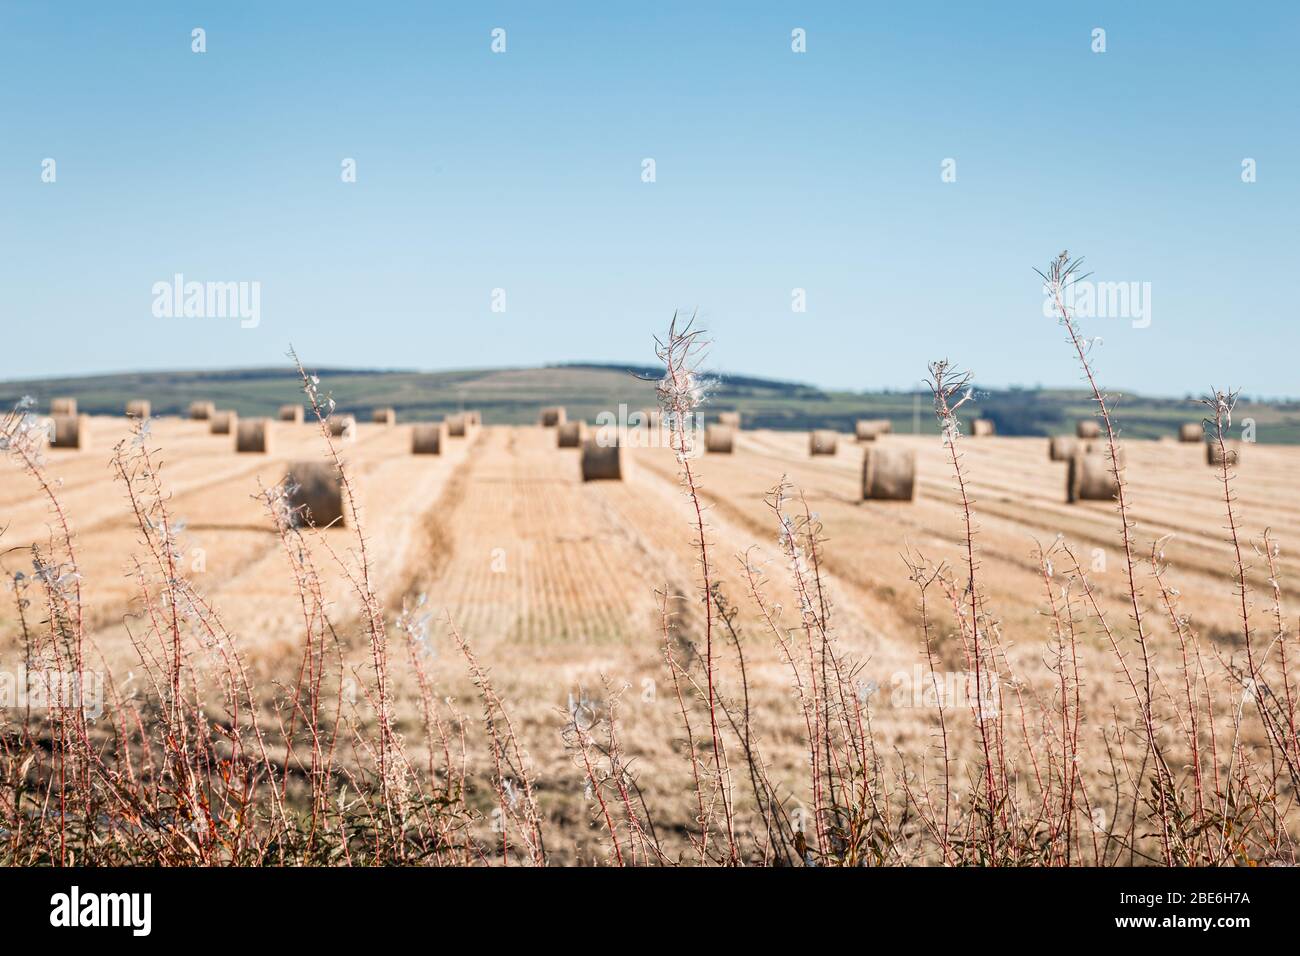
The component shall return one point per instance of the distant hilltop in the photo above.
(514, 395)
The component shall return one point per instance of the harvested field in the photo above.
(560, 586)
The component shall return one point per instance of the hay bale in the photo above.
(731, 419)
(473, 417)
(201, 411)
(343, 427)
(553, 417)
(1062, 448)
(291, 413)
(138, 408)
(458, 426)
(315, 492)
(428, 438)
(1191, 431)
(822, 441)
(981, 428)
(223, 422)
(570, 434)
(384, 416)
(70, 431)
(888, 473)
(719, 439)
(869, 429)
(1214, 453)
(1088, 428)
(603, 457)
(63, 406)
(253, 435)
(1089, 478)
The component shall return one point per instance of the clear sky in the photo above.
(774, 171)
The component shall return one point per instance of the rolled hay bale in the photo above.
(201, 411)
(315, 493)
(982, 428)
(869, 429)
(570, 434)
(719, 439)
(224, 422)
(731, 419)
(888, 473)
(63, 406)
(342, 427)
(385, 416)
(1191, 431)
(822, 441)
(1089, 478)
(1215, 453)
(553, 417)
(428, 438)
(458, 426)
(70, 431)
(138, 408)
(291, 413)
(1062, 448)
(603, 457)
(474, 417)
(253, 435)
(1088, 428)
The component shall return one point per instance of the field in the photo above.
(582, 604)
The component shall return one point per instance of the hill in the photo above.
(513, 395)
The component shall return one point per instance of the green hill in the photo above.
(513, 396)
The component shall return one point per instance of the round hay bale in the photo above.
(888, 473)
(1215, 453)
(291, 413)
(458, 426)
(223, 422)
(63, 406)
(719, 439)
(982, 428)
(253, 435)
(570, 434)
(731, 419)
(1089, 478)
(70, 431)
(138, 408)
(343, 427)
(1088, 428)
(603, 457)
(201, 411)
(315, 492)
(428, 438)
(822, 441)
(1062, 448)
(384, 416)
(1191, 431)
(869, 429)
(553, 417)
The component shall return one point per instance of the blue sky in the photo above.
(775, 170)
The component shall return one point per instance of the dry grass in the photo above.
(530, 669)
